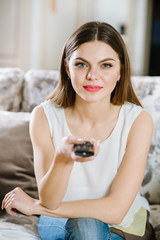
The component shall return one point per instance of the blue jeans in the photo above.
(74, 229)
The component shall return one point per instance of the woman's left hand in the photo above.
(17, 199)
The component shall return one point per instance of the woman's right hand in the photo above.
(66, 149)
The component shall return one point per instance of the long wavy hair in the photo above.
(64, 94)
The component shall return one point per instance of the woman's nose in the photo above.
(93, 74)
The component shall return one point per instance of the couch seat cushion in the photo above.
(18, 228)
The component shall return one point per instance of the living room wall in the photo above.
(57, 25)
(33, 32)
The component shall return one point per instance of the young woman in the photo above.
(96, 197)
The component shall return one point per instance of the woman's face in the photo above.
(94, 69)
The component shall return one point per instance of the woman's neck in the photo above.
(92, 120)
(92, 111)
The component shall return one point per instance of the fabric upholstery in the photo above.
(148, 91)
(11, 80)
(16, 156)
(38, 84)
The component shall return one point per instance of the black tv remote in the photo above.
(85, 149)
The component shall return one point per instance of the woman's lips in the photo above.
(92, 88)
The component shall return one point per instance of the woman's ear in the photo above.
(67, 67)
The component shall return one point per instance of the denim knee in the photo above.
(74, 229)
(52, 228)
(87, 229)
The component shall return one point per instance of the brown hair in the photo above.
(64, 94)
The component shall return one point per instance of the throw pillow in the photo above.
(16, 156)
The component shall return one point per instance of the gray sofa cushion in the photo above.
(11, 81)
(38, 84)
(148, 91)
(16, 156)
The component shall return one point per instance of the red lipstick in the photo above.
(92, 88)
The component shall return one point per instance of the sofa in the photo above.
(19, 93)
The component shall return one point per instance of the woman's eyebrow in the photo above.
(79, 58)
(103, 60)
(107, 59)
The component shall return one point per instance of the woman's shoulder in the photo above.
(38, 115)
(132, 112)
(39, 112)
(49, 105)
(128, 106)
(138, 115)
(137, 110)
(48, 112)
(145, 119)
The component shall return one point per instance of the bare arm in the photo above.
(52, 168)
(114, 207)
(45, 161)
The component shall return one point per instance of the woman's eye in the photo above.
(80, 64)
(106, 65)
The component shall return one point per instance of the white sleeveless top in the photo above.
(93, 179)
